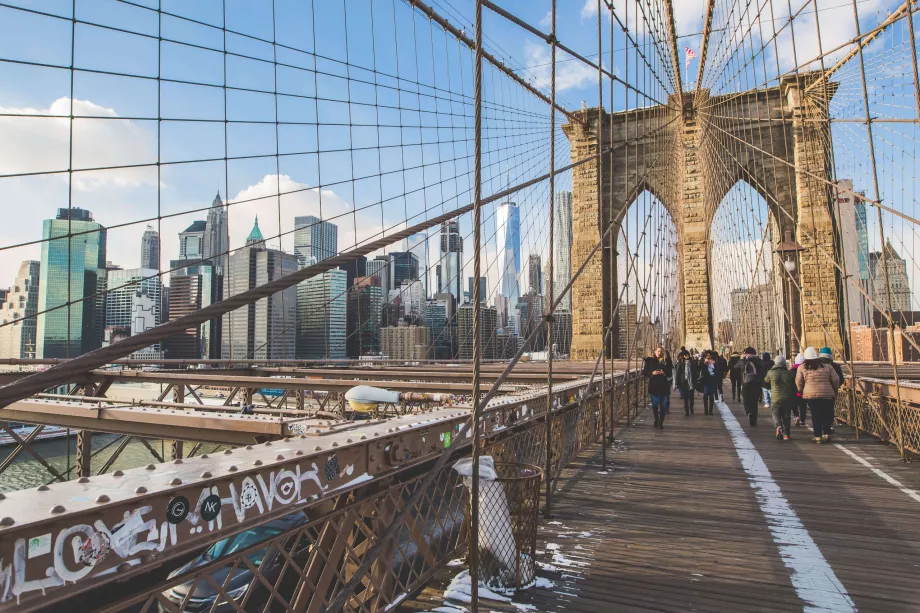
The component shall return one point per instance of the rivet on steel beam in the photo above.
(228, 451)
(177, 461)
(83, 480)
(363, 437)
(376, 434)
(150, 467)
(140, 490)
(257, 463)
(335, 444)
(317, 448)
(279, 457)
(118, 473)
(287, 439)
(303, 436)
(298, 452)
(390, 430)
(176, 481)
(57, 508)
(232, 469)
(268, 443)
(43, 488)
(317, 431)
(123, 567)
(248, 448)
(6, 522)
(203, 456)
(349, 441)
(102, 498)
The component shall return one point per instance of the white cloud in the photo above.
(296, 199)
(569, 75)
(38, 140)
(688, 14)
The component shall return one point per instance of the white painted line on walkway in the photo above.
(812, 576)
(912, 493)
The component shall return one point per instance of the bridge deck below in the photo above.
(682, 523)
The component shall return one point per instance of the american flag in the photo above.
(690, 55)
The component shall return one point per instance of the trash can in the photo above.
(509, 498)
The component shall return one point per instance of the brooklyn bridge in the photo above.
(440, 339)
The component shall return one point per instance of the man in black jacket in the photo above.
(734, 375)
(751, 372)
(659, 370)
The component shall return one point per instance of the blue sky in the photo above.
(399, 150)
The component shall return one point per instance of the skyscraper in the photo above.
(17, 340)
(483, 290)
(121, 295)
(323, 316)
(898, 281)
(72, 271)
(365, 300)
(508, 236)
(380, 267)
(314, 238)
(562, 247)
(488, 324)
(530, 311)
(265, 329)
(535, 274)
(403, 267)
(451, 259)
(418, 245)
(216, 237)
(193, 285)
(150, 249)
(191, 241)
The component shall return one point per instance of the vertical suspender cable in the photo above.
(548, 431)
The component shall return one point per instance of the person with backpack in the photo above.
(818, 382)
(710, 374)
(734, 375)
(783, 390)
(687, 373)
(799, 412)
(751, 372)
(659, 370)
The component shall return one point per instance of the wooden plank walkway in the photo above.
(675, 524)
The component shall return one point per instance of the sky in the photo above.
(373, 112)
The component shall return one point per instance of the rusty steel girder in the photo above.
(82, 534)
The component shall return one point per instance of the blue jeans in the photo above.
(767, 396)
(660, 405)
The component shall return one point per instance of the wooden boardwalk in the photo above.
(677, 524)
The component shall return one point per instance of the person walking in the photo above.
(659, 370)
(767, 365)
(750, 370)
(734, 375)
(723, 369)
(687, 373)
(827, 356)
(818, 382)
(710, 374)
(783, 396)
(799, 411)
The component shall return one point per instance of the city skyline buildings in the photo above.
(508, 255)
(215, 244)
(72, 276)
(150, 249)
(562, 247)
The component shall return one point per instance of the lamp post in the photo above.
(788, 251)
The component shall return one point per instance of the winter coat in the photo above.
(684, 381)
(758, 365)
(821, 382)
(707, 378)
(723, 367)
(781, 383)
(659, 385)
(768, 363)
(732, 362)
(836, 368)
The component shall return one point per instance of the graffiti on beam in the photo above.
(81, 551)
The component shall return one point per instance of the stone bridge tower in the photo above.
(689, 154)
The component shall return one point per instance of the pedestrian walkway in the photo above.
(683, 521)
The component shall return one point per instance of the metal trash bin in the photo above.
(509, 499)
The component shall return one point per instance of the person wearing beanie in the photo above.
(818, 383)
(783, 390)
(798, 409)
(827, 356)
